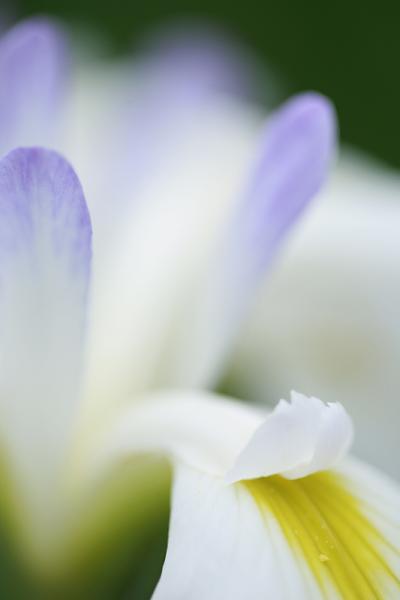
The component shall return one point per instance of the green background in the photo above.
(348, 50)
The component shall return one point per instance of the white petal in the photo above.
(45, 254)
(297, 439)
(312, 538)
(144, 280)
(196, 428)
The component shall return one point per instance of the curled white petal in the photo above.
(201, 430)
(230, 440)
(295, 440)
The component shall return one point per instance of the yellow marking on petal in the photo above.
(326, 525)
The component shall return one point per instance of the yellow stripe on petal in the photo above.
(327, 526)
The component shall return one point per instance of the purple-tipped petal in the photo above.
(295, 156)
(41, 201)
(33, 69)
(45, 254)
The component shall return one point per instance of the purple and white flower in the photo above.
(107, 363)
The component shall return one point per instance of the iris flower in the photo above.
(104, 372)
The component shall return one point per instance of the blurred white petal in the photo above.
(45, 254)
(33, 75)
(158, 252)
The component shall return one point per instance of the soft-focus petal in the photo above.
(197, 428)
(329, 535)
(45, 253)
(143, 278)
(150, 110)
(294, 161)
(32, 77)
(199, 60)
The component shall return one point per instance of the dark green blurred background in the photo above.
(348, 50)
